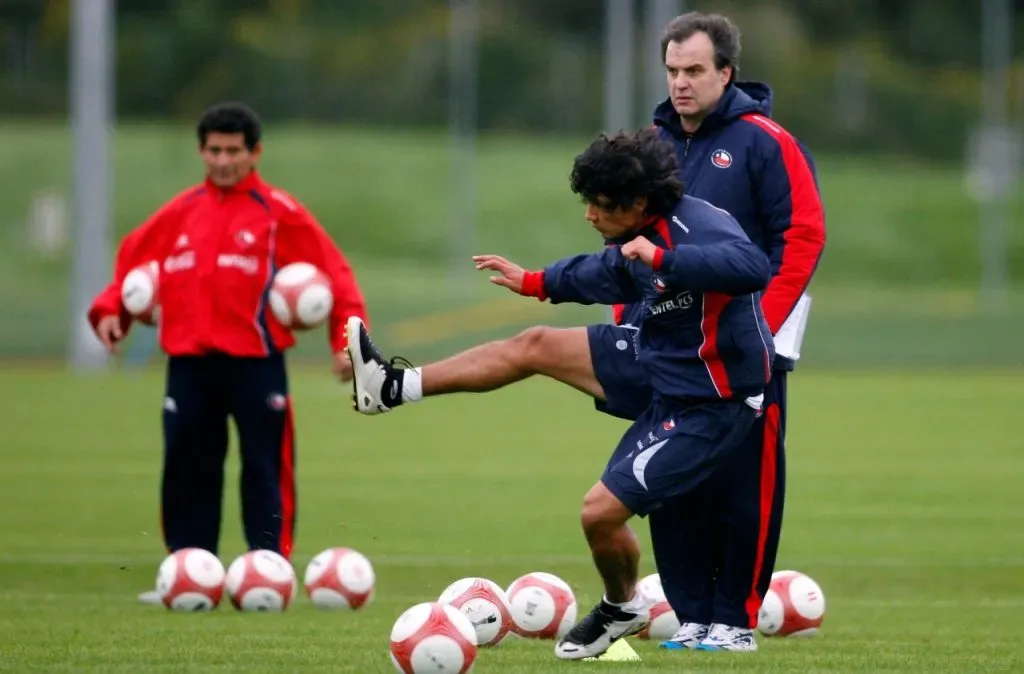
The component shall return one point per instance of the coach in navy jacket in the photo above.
(734, 155)
(742, 161)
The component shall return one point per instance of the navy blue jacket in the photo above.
(742, 161)
(702, 330)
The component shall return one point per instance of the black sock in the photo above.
(391, 392)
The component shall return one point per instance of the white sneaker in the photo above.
(151, 597)
(602, 627)
(726, 638)
(369, 371)
(689, 635)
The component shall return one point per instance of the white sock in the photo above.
(412, 385)
(634, 605)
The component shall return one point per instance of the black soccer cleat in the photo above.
(376, 383)
(602, 627)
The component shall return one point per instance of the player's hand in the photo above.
(511, 274)
(641, 249)
(109, 332)
(342, 368)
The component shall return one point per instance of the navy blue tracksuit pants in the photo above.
(202, 393)
(717, 569)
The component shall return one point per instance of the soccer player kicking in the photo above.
(735, 156)
(703, 344)
(218, 244)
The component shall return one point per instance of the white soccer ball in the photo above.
(261, 580)
(793, 606)
(484, 603)
(140, 292)
(190, 579)
(300, 296)
(663, 621)
(542, 605)
(433, 637)
(340, 578)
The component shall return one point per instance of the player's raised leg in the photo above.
(262, 409)
(381, 385)
(195, 446)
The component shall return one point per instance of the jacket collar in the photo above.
(251, 181)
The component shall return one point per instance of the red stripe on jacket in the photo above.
(803, 236)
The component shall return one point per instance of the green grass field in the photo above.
(897, 284)
(904, 503)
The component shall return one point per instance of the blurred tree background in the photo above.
(851, 76)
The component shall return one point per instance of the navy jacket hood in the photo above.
(740, 98)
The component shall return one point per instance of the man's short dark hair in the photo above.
(230, 118)
(724, 35)
(626, 167)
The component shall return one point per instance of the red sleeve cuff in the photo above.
(659, 254)
(533, 285)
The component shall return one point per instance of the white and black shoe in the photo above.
(689, 635)
(376, 382)
(728, 638)
(602, 627)
(151, 598)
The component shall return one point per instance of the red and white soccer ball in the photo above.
(140, 292)
(340, 578)
(793, 606)
(484, 603)
(261, 580)
(433, 637)
(664, 623)
(191, 579)
(542, 606)
(300, 296)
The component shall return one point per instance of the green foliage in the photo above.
(540, 64)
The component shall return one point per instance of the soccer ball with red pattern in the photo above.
(664, 622)
(261, 580)
(190, 579)
(483, 602)
(140, 292)
(300, 296)
(433, 637)
(793, 606)
(542, 606)
(340, 578)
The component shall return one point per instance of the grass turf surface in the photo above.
(904, 504)
(897, 283)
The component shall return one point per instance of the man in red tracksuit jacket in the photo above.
(218, 245)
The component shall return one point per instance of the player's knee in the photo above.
(533, 348)
(602, 511)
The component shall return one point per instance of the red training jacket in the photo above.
(218, 249)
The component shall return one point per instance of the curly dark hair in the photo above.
(625, 167)
(230, 118)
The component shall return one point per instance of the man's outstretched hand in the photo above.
(510, 275)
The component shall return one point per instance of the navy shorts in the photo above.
(670, 451)
(613, 353)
